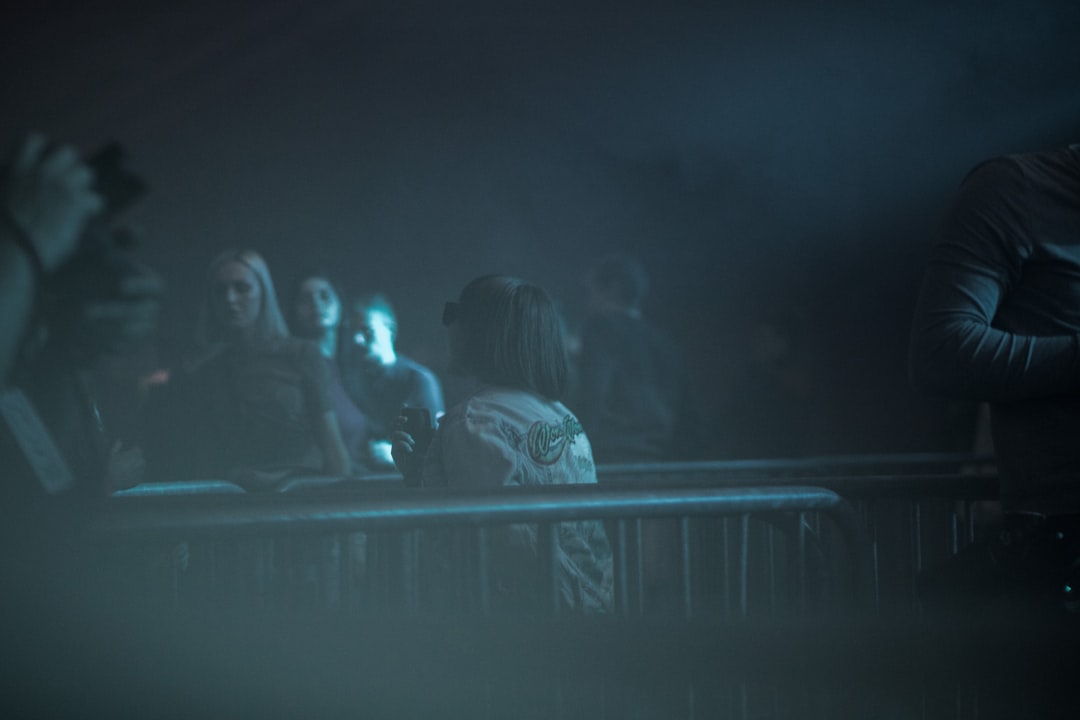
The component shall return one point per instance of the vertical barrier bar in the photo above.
(624, 567)
(175, 567)
(954, 529)
(744, 566)
(322, 579)
(399, 571)
(548, 546)
(640, 561)
(770, 546)
(417, 568)
(872, 527)
(684, 531)
(725, 569)
(345, 571)
(460, 558)
(917, 533)
(801, 532)
(482, 567)
(212, 569)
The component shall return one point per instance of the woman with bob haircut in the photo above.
(506, 336)
(251, 405)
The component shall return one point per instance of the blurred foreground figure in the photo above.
(252, 405)
(506, 335)
(379, 379)
(998, 320)
(72, 292)
(47, 199)
(633, 394)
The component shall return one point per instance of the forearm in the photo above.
(433, 397)
(956, 352)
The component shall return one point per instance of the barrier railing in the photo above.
(916, 509)
(648, 529)
(767, 544)
(913, 509)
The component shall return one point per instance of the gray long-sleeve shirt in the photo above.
(998, 319)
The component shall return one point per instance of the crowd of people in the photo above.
(258, 405)
(269, 392)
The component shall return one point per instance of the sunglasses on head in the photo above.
(451, 313)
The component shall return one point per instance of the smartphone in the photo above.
(419, 424)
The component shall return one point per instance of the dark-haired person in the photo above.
(634, 396)
(513, 430)
(378, 378)
(998, 320)
(632, 390)
(253, 405)
(317, 316)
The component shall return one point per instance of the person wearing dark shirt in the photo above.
(380, 380)
(634, 399)
(998, 320)
(317, 316)
(633, 395)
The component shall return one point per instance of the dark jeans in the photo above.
(1030, 562)
(1024, 575)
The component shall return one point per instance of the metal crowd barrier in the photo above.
(651, 531)
(793, 552)
(912, 510)
(916, 509)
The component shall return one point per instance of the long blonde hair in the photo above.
(270, 323)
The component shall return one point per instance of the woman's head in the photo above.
(316, 306)
(508, 332)
(239, 302)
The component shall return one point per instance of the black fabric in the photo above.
(1028, 564)
(246, 408)
(632, 393)
(998, 318)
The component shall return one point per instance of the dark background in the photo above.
(784, 163)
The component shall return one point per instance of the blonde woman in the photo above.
(252, 404)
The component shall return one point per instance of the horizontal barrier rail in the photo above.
(412, 509)
(645, 526)
(912, 509)
(826, 469)
(955, 475)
